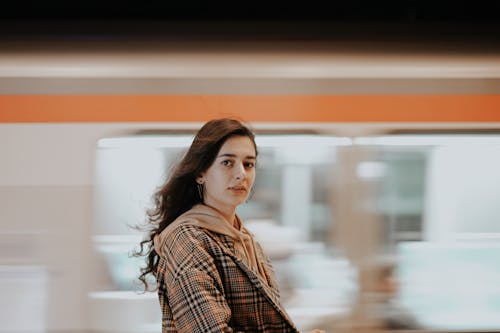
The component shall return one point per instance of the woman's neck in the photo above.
(228, 214)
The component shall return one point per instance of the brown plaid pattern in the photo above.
(203, 286)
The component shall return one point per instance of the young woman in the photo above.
(212, 276)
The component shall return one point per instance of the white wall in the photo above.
(46, 209)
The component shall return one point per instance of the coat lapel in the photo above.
(269, 291)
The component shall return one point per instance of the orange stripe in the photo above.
(256, 108)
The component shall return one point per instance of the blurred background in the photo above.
(378, 126)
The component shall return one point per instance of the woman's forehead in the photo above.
(238, 145)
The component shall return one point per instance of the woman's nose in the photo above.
(240, 172)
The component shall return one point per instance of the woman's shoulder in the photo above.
(180, 231)
(183, 244)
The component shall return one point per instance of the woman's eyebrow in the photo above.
(249, 157)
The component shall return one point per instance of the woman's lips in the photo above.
(238, 189)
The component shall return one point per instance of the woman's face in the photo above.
(228, 181)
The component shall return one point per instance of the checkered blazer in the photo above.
(205, 286)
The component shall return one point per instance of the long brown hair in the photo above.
(180, 191)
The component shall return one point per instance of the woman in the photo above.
(212, 276)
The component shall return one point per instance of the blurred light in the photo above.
(436, 278)
(427, 140)
(477, 236)
(301, 140)
(371, 170)
(182, 141)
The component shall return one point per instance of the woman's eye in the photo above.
(227, 163)
(249, 165)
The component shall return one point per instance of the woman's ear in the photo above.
(200, 180)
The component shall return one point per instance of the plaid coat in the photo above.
(204, 286)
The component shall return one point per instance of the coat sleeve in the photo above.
(194, 287)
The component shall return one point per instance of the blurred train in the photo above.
(60, 100)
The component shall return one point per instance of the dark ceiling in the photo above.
(197, 19)
(352, 10)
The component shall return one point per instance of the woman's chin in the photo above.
(240, 200)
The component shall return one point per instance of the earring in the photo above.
(200, 190)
